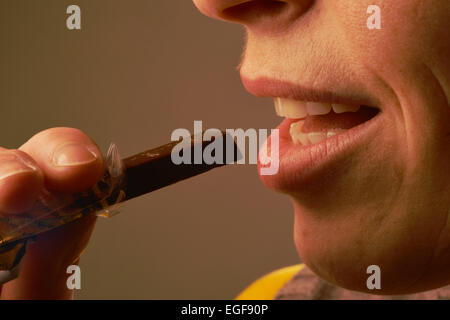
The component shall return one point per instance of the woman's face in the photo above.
(369, 187)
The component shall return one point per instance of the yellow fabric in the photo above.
(266, 287)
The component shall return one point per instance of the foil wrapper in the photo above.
(53, 210)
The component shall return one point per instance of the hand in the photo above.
(62, 160)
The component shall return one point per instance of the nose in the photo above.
(255, 14)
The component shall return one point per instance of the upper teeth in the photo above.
(294, 109)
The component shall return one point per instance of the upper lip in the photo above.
(266, 87)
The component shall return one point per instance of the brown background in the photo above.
(136, 71)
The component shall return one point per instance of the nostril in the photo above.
(251, 11)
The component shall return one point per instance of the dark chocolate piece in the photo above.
(142, 173)
(154, 169)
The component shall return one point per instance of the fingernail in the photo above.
(73, 154)
(11, 164)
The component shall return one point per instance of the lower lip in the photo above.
(299, 164)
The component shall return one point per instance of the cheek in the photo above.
(400, 38)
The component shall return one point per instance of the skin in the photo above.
(43, 272)
(388, 202)
(389, 206)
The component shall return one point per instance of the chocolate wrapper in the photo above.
(53, 210)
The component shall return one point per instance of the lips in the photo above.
(320, 140)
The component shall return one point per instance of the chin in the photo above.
(339, 248)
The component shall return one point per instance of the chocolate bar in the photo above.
(123, 180)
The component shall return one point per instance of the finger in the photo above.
(70, 160)
(21, 180)
(43, 274)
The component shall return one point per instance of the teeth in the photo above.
(295, 131)
(290, 108)
(341, 108)
(317, 108)
(334, 132)
(299, 137)
(303, 138)
(316, 137)
(294, 109)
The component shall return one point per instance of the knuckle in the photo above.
(20, 180)
(15, 155)
(45, 141)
